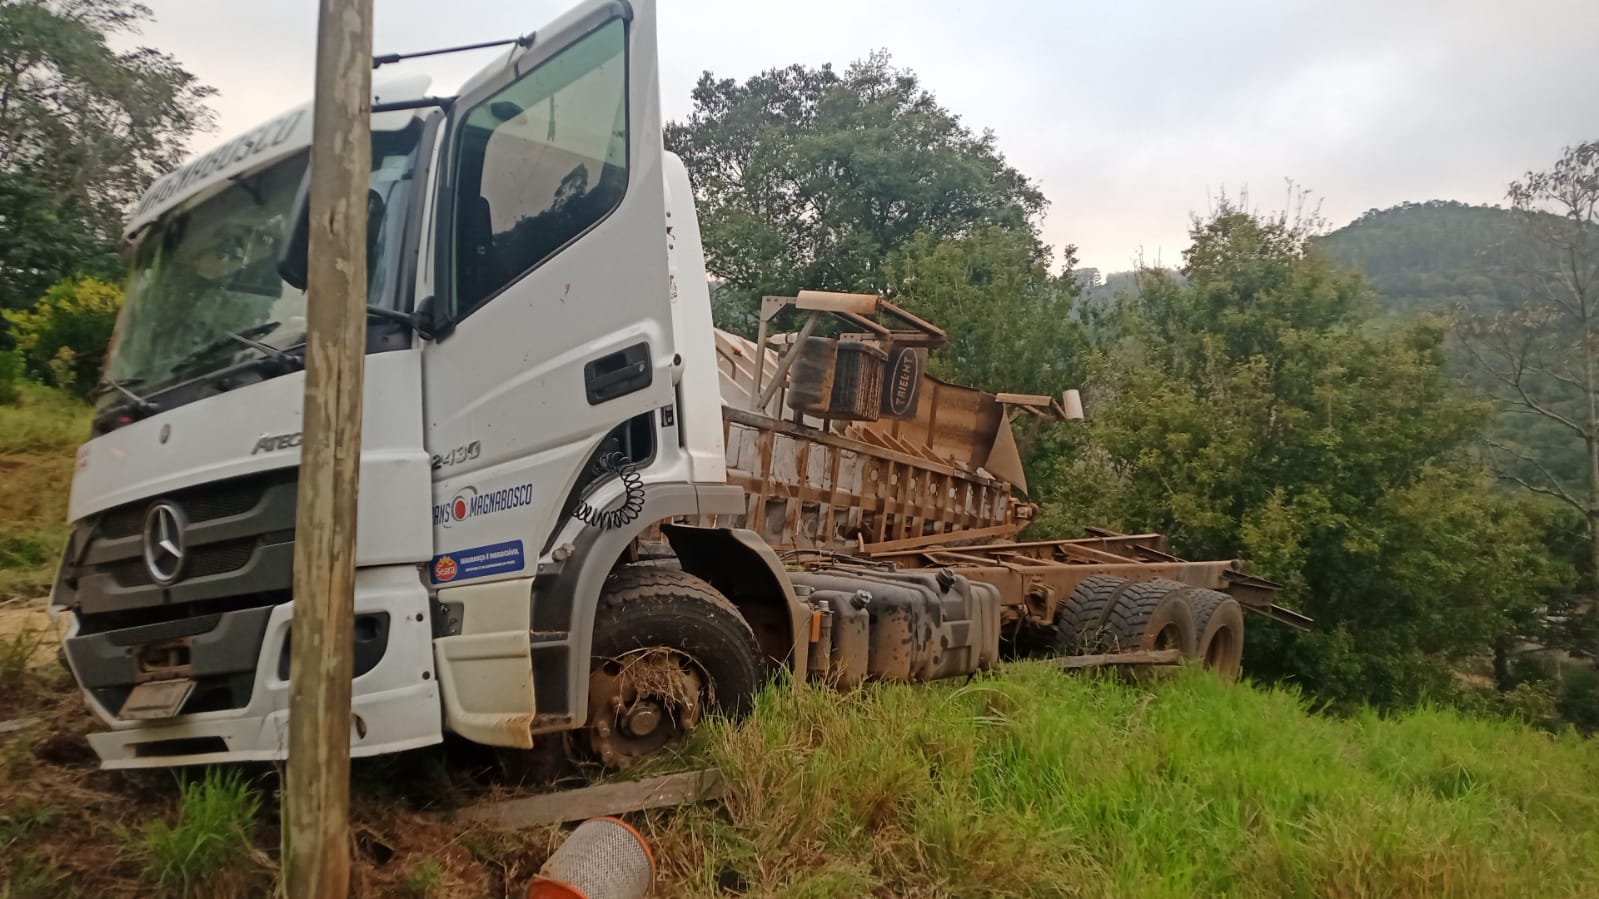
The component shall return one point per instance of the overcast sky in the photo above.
(1129, 114)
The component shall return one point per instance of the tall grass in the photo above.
(1038, 784)
(43, 421)
(38, 439)
(210, 850)
(18, 652)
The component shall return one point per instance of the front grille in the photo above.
(204, 561)
(106, 622)
(205, 503)
(238, 544)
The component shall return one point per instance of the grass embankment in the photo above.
(38, 440)
(1034, 784)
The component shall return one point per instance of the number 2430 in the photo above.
(458, 455)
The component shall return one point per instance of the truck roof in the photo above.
(278, 138)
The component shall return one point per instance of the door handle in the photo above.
(618, 374)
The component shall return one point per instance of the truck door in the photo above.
(551, 282)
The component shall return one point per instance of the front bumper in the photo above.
(394, 704)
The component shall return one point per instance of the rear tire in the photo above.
(1219, 622)
(1153, 615)
(667, 646)
(1080, 617)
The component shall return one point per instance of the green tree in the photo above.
(1540, 359)
(1009, 319)
(63, 338)
(1253, 414)
(807, 178)
(83, 130)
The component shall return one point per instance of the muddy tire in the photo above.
(1219, 623)
(667, 647)
(1080, 621)
(1152, 615)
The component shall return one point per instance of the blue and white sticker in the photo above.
(479, 561)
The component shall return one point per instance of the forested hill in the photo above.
(1433, 256)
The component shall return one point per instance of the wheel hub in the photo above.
(641, 702)
(642, 719)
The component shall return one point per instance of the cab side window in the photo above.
(538, 164)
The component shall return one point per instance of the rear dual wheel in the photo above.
(1152, 615)
(1111, 614)
(1219, 622)
(1080, 620)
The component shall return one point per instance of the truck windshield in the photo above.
(209, 268)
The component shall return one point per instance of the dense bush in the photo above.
(1248, 411)
(63, 338)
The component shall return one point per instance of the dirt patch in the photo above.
(30, 618)
(79, 825)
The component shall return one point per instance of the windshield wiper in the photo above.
(287, 360)
(196, 359)
(139, 403)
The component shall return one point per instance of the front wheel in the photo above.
(667, 648)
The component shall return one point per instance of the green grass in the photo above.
(1036, 784)
(424, 881)
(23, 875)
(38, 440)
(17, 651)
(28, 877)
(43, 421)
(210, 850)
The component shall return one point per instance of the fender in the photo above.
(742, 567)
(566, 593)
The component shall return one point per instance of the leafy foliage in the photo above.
(1008, 318)
(807, 178)
(83, 130)
(1540, 360)
(63, 338)
(1253, 415)
(45, 234)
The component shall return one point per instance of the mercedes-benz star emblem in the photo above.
(163, 542)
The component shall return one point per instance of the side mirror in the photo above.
(426, 319)
(292, 253)
(375, 208)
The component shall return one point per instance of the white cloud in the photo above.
(1127, 113)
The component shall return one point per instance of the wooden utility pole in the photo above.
(316, 845)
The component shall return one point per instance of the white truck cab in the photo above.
(540, 386)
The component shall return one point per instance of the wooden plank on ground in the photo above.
(1141, 657)
(603, 799)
